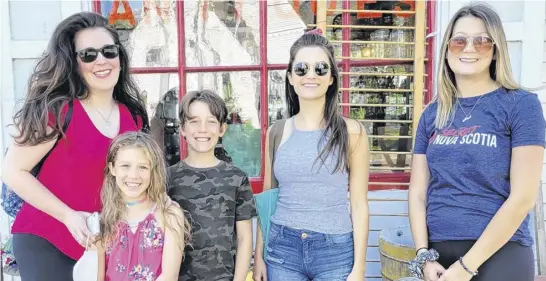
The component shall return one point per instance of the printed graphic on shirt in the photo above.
(465, 136)
(213, 200)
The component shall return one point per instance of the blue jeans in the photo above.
(301, 255)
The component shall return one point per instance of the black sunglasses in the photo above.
(302, 68)
(88, 55)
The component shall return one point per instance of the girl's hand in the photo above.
(76, 222)
(432, 271)
(455, 272)
(260, 271)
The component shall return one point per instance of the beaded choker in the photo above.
(132, 203)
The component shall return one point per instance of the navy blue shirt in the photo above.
(469, 162)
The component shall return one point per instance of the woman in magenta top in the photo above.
(86, 66)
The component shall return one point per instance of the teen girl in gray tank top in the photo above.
(317, 232)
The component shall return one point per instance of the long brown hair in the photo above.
(335, 131)
(114, 209)
(499, 70)
(55, 80)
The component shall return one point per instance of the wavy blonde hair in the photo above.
(499, 70)
(113, 206)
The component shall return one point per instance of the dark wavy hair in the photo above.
(55, 81)
(335, 131)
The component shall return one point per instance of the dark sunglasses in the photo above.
(302, 68)
(88, 55)
(482, 44)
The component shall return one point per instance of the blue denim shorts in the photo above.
(301, 255)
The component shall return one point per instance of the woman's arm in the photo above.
(417, 200)
(18, 163)
(258, 252)
(358, 187)
(244, 249)
(259, 273)
(173, 247)
(525, 172)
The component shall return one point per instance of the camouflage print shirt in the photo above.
(213, 200)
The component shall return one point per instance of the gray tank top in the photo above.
(310, 196)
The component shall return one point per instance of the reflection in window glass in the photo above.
(241, 145)
(382, 98)
(284, 26)
(277, 98)
(288, 20)
(147, 29)
(161, 95)
(221, 32)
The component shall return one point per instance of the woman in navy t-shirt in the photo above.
(477, 160)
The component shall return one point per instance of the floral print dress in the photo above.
(136, 256)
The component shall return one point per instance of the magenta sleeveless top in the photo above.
(136, 256)
(74, 172)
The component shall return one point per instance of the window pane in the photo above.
(382, 99)
(284, 26)
(241, 144)
(222, 32)
(375, 50)
(277, 99)
(147, 29)
(288, 20)
(161, 92)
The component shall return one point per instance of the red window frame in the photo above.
(263, 67)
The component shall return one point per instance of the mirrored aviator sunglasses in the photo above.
(482, 44)
(302, 68)
(88, 55)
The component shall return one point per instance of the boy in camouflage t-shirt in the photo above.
(215, 195)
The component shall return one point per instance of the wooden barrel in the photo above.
(396, 250)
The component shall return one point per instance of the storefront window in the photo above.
(154, 87)
(375, 46)
(147, 29)
(381, 99)
(241, 145)
(277, 99)
(221, 33)
(160, 92)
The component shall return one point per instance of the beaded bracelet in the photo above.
(466, 268)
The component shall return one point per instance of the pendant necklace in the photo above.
(468, 116)
(107, 119)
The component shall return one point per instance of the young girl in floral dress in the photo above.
(142, 235)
